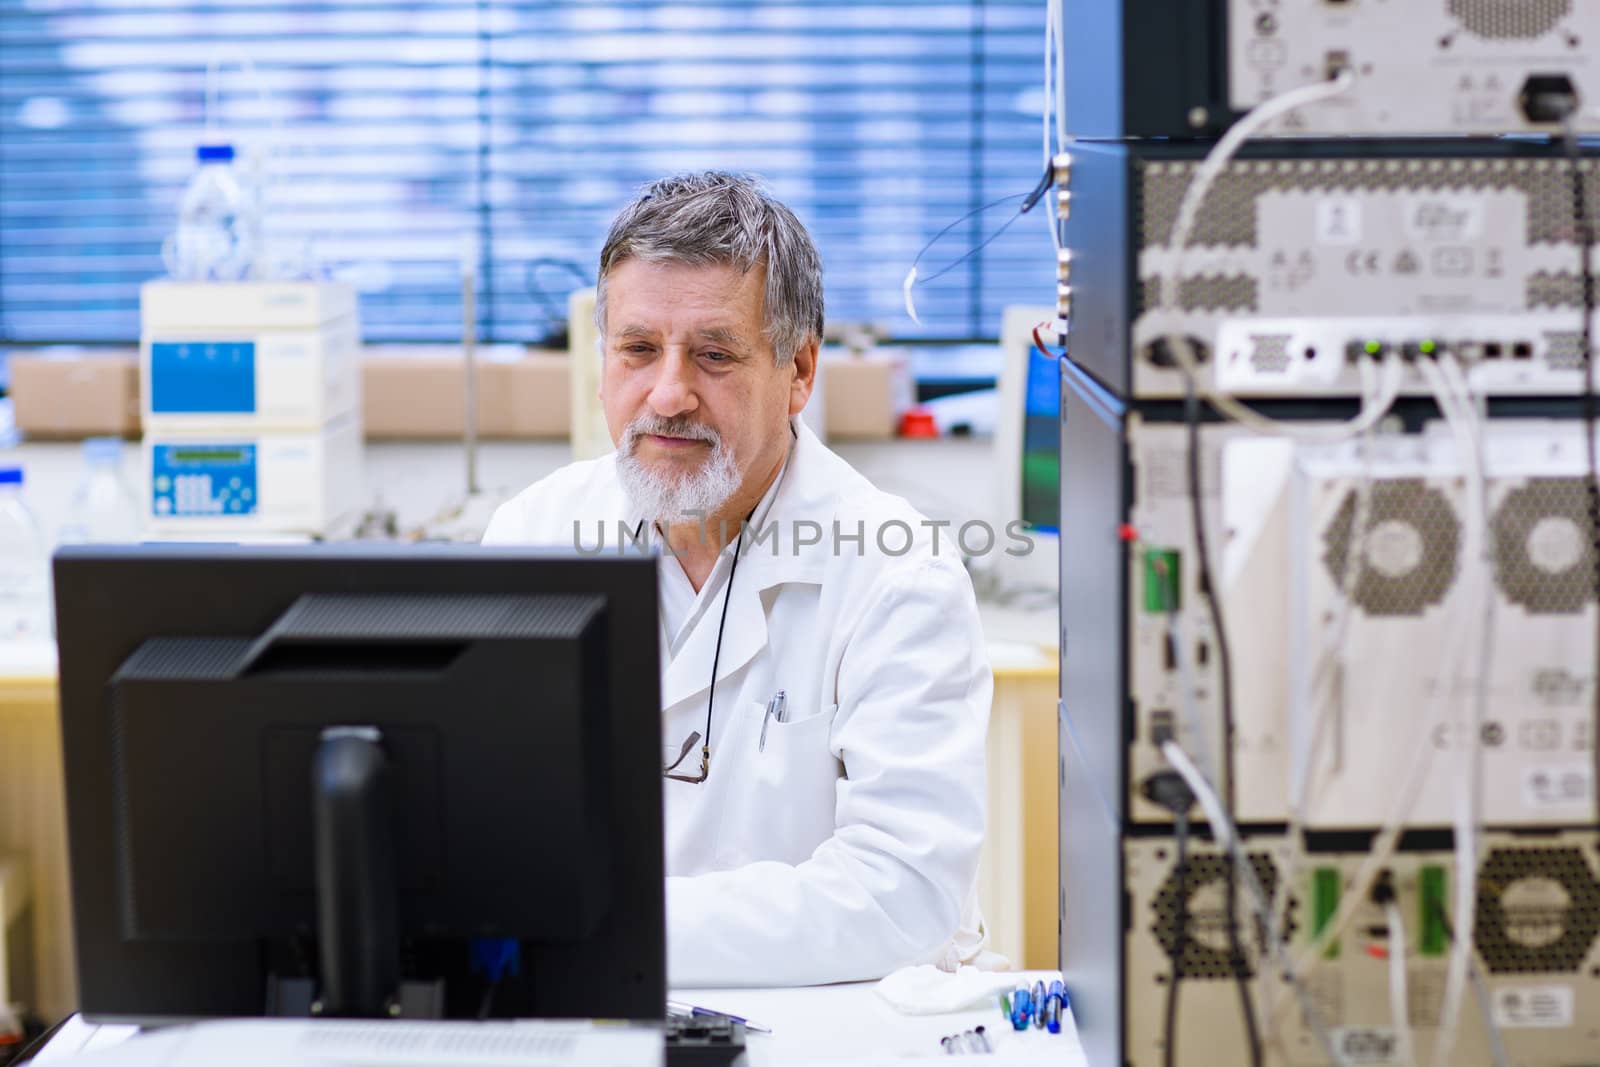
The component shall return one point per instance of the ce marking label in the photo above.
(1362, 264)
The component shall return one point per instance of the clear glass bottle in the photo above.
(217, 223)
(105, 509)
(25, 606)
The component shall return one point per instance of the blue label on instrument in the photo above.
(203, 479)
(203, 377)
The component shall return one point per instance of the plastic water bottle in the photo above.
(25, 609)
(104, 508)
(217, 223)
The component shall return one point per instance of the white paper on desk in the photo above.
(302, 1043)
(926, 990)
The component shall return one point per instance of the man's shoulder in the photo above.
(543, 513)
(864, 523)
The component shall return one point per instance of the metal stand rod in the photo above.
(469, 351)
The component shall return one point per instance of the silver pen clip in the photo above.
(775, 710)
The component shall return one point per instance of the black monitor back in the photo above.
(517, 697)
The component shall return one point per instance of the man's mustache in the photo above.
(676, 426)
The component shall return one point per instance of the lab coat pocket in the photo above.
(801, 739)
(788, 810)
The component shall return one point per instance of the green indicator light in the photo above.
(1162, 588)
(1427, 348)
(1325, 886)
(1431, 901)
(1373, 348)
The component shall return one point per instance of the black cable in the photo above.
(1585, 237)
(37, 1045)
(486, 1005)
(1236, 961)
(1169, 1051)
(711, 697)
(1029, 199)
(556, 318)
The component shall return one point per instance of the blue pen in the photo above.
(1055, 1003)
(1021, 1008)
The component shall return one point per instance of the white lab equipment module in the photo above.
(210, 482)
(1536, 937)
(252, 408)
(253, 305)
(262, 381)
(250, 357)
(1389, 711)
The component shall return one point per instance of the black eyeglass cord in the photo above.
(711, 697)
(716, 656)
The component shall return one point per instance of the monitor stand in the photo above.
(358, 910)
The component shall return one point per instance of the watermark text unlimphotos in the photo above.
(895, 537)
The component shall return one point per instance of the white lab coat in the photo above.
(849, 847)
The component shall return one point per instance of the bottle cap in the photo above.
(10, 475)
(214, 153)
(918, 422)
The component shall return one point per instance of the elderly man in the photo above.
(824, 687)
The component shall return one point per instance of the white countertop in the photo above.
(838, 1026)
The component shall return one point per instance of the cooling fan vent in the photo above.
(1514, 20)
(1205, 952)
(1543, 556)
(1538, 910)
(1409, 551)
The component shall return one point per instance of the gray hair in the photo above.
(721, 218)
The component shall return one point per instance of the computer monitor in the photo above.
(305, 779)
(1028, 431)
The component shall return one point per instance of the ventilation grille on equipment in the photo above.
(1563, 349)
(1409, 551)
(436, 616)
(1228, 215)
(1501, 20)
(1538, 910)
(1544, 560)
(1554, 289)
(1269, 352)
(189, 659)
(1206, 934)
(1205, 292)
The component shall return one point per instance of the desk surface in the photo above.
(840, 1026)
(850, 1024)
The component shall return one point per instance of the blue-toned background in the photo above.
(401, 127)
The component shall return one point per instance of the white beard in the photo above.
(672, 497)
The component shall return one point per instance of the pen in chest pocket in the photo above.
(777, 708)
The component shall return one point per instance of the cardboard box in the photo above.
(527, 398)
(419, 393)
(864, 395)
(76, 394)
